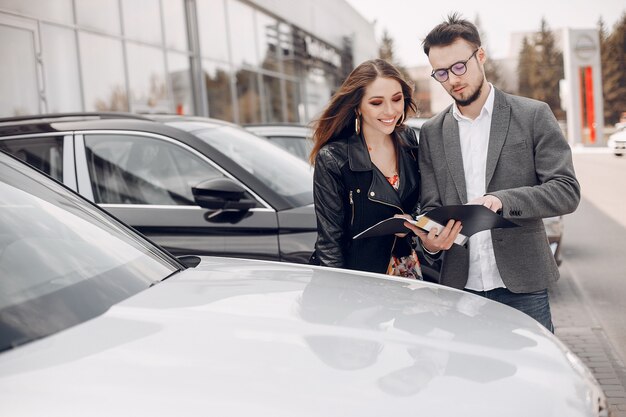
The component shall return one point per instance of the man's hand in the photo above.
(492, 202)
(434, 240)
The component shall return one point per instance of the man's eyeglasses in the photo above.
(458, 68)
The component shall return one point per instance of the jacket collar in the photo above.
(358, 156)
(359, 160)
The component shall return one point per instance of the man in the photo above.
(504, 152)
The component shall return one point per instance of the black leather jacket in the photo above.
(351, 194)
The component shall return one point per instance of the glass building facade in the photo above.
(228, 59)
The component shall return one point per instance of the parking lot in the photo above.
(587, 301)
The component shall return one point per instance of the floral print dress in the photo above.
(406, 266)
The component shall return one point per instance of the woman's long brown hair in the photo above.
(337, 119)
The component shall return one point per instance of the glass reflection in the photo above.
(242, 39)
(59, 10)
(102, 64)
(267, 41)
(60, 69)
(175, 24)
(142, 20)
(217, 80)
(212, 29)
(45, 154)
(292, 94)
(139, 170)
(248, 97)
(18, 75)
(273, 100)
(318, 91)
(179, 77)
(146, 76)
(103, 15)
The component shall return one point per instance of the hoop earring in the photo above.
(401, 120)
(357, 125)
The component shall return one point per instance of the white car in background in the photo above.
(617, 141)
(95, 320)
(415, 123)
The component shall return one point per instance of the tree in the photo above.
(549, 70)
(492, 69)
(613, 51)
(541, 69)
(386, 51)
(526, 69)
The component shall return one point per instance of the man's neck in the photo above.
(473, 110)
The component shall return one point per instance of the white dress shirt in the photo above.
(474, 134)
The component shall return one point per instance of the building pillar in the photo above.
(583, 86)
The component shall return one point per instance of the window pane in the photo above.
(217, 80)
(140, 170)
(300, 147)
(175, 24)
(318, 91)
(248, 97)
(104, 85)
(58, 10)
(273, 99)
(180, 79)
(243, 42)
(286, 39)
(295, 107)
(45, 154)
(286, 174)
(146, 77)
(18, 75)
(142, 20)
(267, 38)
(99, 14)
(212, 28)
(60, 69)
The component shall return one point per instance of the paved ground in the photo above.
(577, 327)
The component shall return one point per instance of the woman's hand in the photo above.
(434, 241)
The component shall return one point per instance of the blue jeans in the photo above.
(535, 304)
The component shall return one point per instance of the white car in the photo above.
(617, 141)
(97, 321)
(415, 123)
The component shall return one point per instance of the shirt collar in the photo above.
(487, 107)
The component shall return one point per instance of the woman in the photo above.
(366, 171)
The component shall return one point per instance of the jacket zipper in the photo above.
(352, 207)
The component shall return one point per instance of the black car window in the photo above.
(129, 169)
(298, 146)
(45, 154)
(284, 173)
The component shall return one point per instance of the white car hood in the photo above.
(241, 338)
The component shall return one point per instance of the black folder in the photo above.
(474, 218)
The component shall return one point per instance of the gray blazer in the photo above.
(529, 168)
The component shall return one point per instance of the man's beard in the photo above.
(470, 99)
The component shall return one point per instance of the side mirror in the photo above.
(221, 194)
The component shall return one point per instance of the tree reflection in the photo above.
(117, 101)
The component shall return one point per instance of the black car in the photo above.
(192, 185)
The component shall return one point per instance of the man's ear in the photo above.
(482, 55)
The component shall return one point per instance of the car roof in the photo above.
(178, 127)
(415, 121)
(280, 129)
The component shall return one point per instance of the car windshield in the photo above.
(62, 260)
(284, 173)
